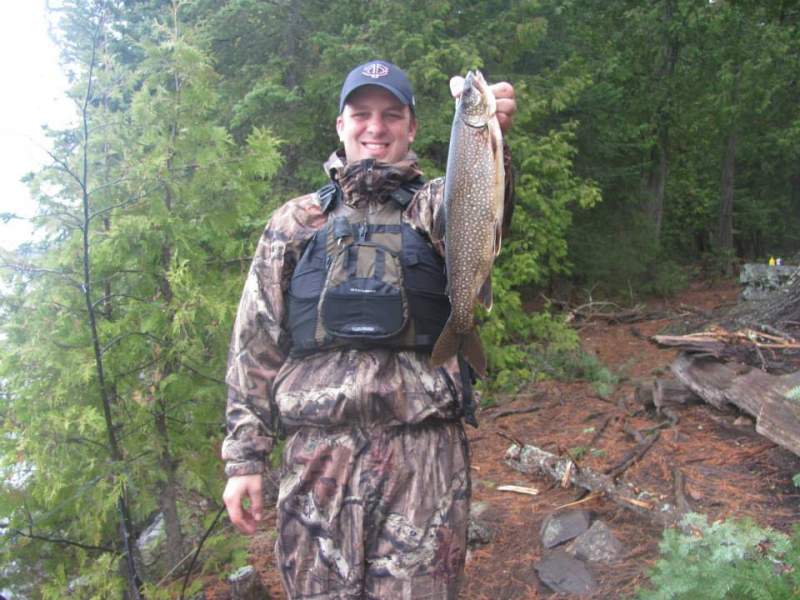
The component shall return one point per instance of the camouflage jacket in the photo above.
(269, 391)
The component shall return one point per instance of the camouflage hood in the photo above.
(370, 178)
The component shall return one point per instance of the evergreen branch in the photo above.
(231, 261)
(76, 220)
(203, 375)
(197, 552)
(62, 541)
(163, 580)
(124, 336)
(108, 209)
(67, 169)
(87, 441)
(135, 370)
(129, 296)
(122, 272)
(62, 346)
(27, 268)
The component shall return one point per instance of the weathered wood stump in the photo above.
(769, 398)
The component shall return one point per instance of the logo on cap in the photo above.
(375, 70)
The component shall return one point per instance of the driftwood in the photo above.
(761, 345)
(764, 396)
(530, 459)
(719, 342)
(514, 411)
(610, 313)
(643, 445)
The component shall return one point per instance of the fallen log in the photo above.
(669, 391)
(737, 345)
(661, 393)
(533, 460)
(768, 398)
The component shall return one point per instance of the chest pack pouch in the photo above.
(367, 281)
(364, 295)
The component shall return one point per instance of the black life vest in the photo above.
(367, 282)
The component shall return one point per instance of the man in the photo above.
(345, 296)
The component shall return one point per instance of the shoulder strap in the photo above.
(403, 195)
(329, 195)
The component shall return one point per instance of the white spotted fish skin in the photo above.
(473, 196)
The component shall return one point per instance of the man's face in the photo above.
(375, 124)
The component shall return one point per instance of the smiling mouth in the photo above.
(374, 145)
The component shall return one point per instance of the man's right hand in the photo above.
(236, 491)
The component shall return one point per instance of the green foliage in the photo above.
(557, 356)
(174, 208)
(615, 252)
(204, 116)
(725, 560)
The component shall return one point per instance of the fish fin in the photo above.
(491, 101)
(472, 349)
(485, 294)
(446, 346)
(498, 236)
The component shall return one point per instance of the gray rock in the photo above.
(476, 509)
(151, 547)
(479, 531)
(760, 280)
(597, 544)
(565, 574)
(246, 585)
(562, 527)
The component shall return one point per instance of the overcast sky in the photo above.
(33, 95)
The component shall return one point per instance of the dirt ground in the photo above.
(729, 470)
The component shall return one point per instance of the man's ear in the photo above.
(339, 126)
(412, 130)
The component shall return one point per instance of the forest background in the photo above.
(653, 140)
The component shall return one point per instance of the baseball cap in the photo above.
(380, 73)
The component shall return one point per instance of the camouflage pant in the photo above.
(378, 514)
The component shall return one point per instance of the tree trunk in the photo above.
(167, 490)
(659, 155)
(656, 182)
(168, 487)
(725, 226)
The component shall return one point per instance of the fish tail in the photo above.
(446, 346)
(472, 348)
(450, 343)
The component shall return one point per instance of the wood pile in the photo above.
(751, 360)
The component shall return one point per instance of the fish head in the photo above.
(476, 105)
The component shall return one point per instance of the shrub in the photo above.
(725, 560)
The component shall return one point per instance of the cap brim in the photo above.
(395, 92)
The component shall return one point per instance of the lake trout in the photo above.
(473, 195)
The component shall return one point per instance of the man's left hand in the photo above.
(503, 94)
(506, 103)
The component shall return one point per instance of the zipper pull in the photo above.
(370, 163)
